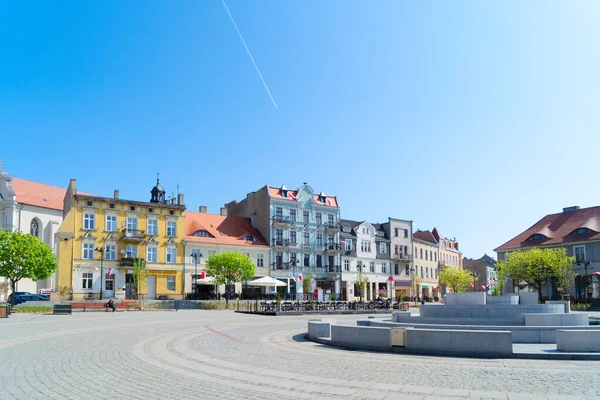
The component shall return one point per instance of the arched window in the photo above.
(34, 228)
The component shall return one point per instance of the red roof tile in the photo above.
(38, 194)
(558, 229)
(234, 229)
(426, 236)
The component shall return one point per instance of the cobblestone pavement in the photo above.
(223, 355)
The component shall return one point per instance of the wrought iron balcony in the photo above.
(128, 261)
(333, 248)
(332, 227)
(319, 247)
(334, 268)
(402, 256)
(280, 242)
(133, 235)
(279, 221)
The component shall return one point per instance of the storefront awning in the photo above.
(425, 286)
(402, 283)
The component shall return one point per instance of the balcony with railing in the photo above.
(332, 227)
(133, 235)
(333, 248)
(128, 261)
(402, 256)
(280, 244)
(279, 221)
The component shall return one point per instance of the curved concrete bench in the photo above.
(578, 340)
(561, 319)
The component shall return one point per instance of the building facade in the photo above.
(208, 234)
(450, 255)
(578, 231)
(302, 228)
(33, 208)
(425, 272)
(365, 252)
(400, 234)
(100, 239)
(484, 269)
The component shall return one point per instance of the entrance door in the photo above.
(109, 286)
(129, 287)
(331, 263)
(151, 287)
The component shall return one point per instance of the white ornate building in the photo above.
(33, 208)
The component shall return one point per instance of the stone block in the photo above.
(578, 340)
(473, 298)
(398, 315)
(561, 319)
(566, 303)
(528, 298)
(361, 337)
(481, 343)
(319, 329)
(508, 300)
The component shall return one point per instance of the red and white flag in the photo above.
(489, 285)
(472, 284)
(482, 287)
(293, 196)
(110, 271)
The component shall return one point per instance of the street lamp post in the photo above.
(101, 251)
(586, 291)
(197, 256)
(412, 281)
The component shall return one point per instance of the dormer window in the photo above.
(581, 231)
(322, 199)
(249, 238)
(284, 193)
(203, 233)
(537, 236)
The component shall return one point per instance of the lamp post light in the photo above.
(412, 282)
(101, 251)
(586, 291)
(197, 256)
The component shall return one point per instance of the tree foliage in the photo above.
(307, 282)
(24, 256)
(228, 268)
(361, 283)
(537, 266)
(458, 280)
(140, 275)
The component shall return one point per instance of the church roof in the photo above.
(38, 194)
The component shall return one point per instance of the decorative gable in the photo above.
(88, 236)
(110, 237)
(152, 240)
(171, 242)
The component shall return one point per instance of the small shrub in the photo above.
(580, 306)
(32, 309)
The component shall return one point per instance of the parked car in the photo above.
(29, 297)
(10, 296)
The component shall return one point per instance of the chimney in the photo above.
(202, 209)
(180, 199)
(116, 194)
(570, 209)
(223, 211)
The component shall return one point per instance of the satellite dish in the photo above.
(122, 251)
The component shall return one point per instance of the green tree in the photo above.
(458, 280)
(565, 278)
(361, 283)
(228, 268)
(307, 282)
(140, 278)
(537, 266)
(24, 256)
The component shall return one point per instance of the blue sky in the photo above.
(474, 117)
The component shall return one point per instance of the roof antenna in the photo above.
(178, 189)
(157, 176)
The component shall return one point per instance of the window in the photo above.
(260, 260)
(293, 259)
(537, 236)
(151, 255)
(421, 271)
(329, 239)
(249, 238)
(396, 232)
(88, 251)
(292, 236)
(365, 246)
(132, 208)
(132, 224)
(330, 220)
(305, 216)
(86, 282)
(346, 265)
(278, 235)
(109, 282)
(279, 259)
(405, 233)
(89, 221)
(405, 250)
(426, 257)
(131, 251)
(306, 260)
(111, 205)
(110, 252)
(407, 270)
(426, 272)
(171, 283)
(581, 231)
(318, 218)
(396, 249)
(171, 228)
(359, 266)
(203, 233)
(111, 223)
(211, 252)
(171, 251)
(319, 239)
(436, 273)
(579, 253)
(293, 215)
(372, 266)
(34, 228)
(435, 257)
(306, 238)
(382, 248)
(319, 260)
(384, 268)
(278, 213)
(153, 227)
(431, 255)
(421, 252)
(396, 269)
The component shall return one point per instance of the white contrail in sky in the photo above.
(249, 54)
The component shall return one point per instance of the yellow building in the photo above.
(100, 238)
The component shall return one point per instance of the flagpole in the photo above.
(101, 251)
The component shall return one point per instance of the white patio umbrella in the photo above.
(267, 281)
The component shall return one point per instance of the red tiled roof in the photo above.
(426, 236)
(38, 194)
(235, 229)
(557, 228)
(291, 195)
